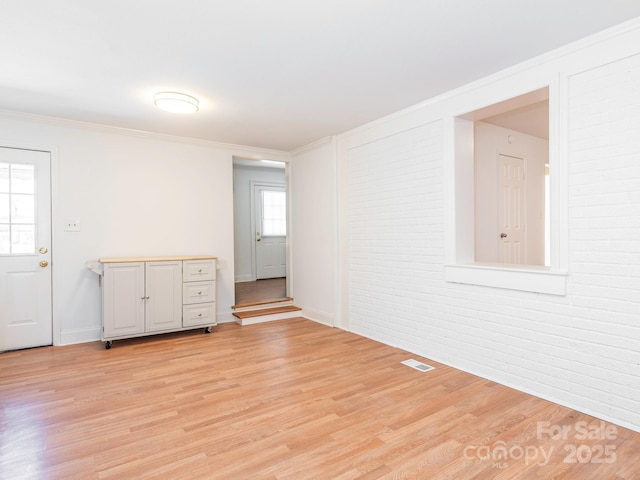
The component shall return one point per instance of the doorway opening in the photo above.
(507, 158)
(260, 231)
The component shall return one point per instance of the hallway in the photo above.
(261, 291)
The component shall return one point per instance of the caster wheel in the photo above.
(207, 330)
(107, 345)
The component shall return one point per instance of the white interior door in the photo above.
(271, 232)
(25, 244)
(511, 210)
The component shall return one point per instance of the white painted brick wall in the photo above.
(395, 230)
(582, 349)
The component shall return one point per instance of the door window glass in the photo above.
(274, 213)
(17, 208)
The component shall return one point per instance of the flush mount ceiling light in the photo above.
(176, 102)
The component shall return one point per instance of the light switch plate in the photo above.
(72, 225)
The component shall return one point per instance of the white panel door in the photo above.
(25, 249)
(271, 257)
(271, 239)
(511, 210)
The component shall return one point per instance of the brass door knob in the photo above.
(43, 250)
(44, 263)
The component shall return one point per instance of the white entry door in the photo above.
(511, 210)
(25, 249)
(271, 232)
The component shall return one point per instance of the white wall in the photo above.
(134, 194)
(581, 349)
(244, 237)
(489, 141)
(313, 213)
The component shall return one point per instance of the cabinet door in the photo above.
(163, 296)
(123, 299)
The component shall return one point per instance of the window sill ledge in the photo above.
(527, 279)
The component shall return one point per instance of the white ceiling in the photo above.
(532, 119)
(275, 74)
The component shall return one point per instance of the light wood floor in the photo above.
(281, 400)
(261, 290)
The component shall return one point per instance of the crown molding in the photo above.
(255, 152)
(311, 146)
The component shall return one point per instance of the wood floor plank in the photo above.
(266, 311)
(266, 301)
(289, 399)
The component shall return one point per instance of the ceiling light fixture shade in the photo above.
(176, 102)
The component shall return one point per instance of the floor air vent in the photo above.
(418, 365)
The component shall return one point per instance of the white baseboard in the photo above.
(80, 335)
(324, 318)
(268, 318)
(245, 278)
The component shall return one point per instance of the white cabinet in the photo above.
(198, 293)
(143, 296)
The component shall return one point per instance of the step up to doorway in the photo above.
(241, 306)
(248, 317)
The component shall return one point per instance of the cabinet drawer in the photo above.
(198, 292)
(198, 270)
(199, 314)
